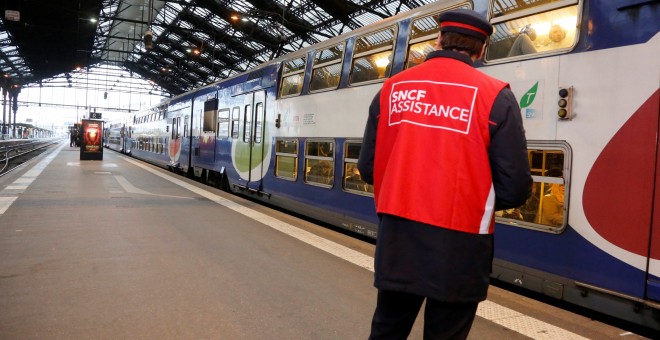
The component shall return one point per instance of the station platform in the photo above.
(119, 249)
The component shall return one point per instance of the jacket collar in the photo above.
(449, 54)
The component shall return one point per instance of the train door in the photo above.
(254, 115)
(207, 143)
(185, 155)
(122, 138)
(653, 280)
(174, 147)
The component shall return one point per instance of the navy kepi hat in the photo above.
(467, 22)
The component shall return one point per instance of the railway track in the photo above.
(14, 153)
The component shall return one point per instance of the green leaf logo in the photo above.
(528, 98)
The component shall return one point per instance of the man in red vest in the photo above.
(445, 148)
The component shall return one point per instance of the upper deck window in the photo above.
(424, 36)
(293, 73)
(327, 68)
(372, 58)
(532, 27)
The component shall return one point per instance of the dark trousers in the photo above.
(396, 313)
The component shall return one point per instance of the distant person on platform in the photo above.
(438, 180)
(524, 43)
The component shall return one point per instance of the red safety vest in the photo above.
(431, 163)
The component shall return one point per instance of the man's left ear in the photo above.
(483, 50)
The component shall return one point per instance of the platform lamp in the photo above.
(148, 35)
(14, 90)
(4, 81)
(105, 94)
(148, 40)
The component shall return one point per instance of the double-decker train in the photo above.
(289, 133)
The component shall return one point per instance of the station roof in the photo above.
(195, 42)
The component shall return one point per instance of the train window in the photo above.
(247, 123)
(235, 114)
(175, 128)
(258, 122)
(293, 73)
(210, 115)
(547, 208)
(319, 163)
(423, 37)
(223, 123)
(327, 68)
(372, 57)
(546, 27)
(352, 180)
(286, 158)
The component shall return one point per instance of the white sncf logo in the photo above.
(432, 104)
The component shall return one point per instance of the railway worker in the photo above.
(444, 146)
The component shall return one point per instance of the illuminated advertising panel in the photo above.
(92, 140)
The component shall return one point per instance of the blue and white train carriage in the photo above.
(289, 132)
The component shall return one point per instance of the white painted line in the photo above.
(333, 248)
(523, 324)
(23, 180)
(488, 310)
(134, 190)
(73, 164)
(16, 187)
(5, 203)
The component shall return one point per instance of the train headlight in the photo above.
(565, 103)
